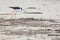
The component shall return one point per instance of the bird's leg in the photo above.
(13, 14)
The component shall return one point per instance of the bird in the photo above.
(15, 10)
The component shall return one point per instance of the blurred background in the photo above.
(49, 8)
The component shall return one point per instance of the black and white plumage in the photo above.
(16, 8)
